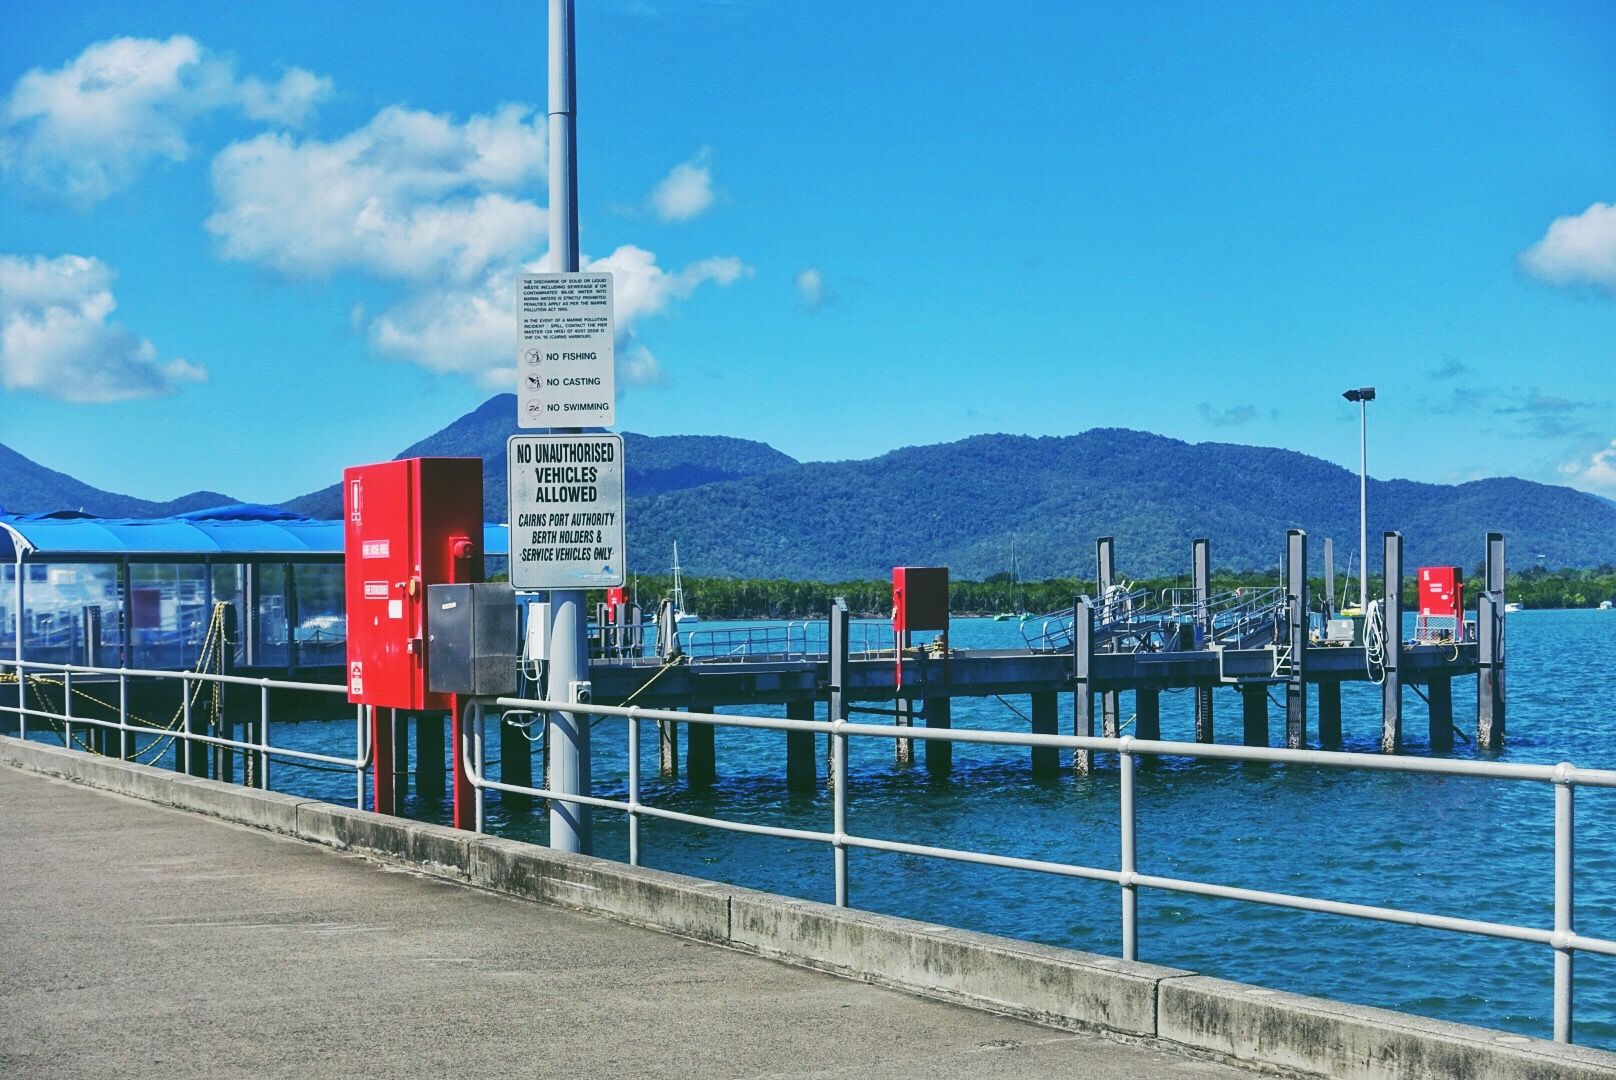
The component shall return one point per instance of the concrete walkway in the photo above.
(137, 940)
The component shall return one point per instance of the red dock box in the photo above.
(409, 524)
(1441, 591)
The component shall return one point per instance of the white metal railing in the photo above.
(1564, 777)
(867, 639)
(187, 740)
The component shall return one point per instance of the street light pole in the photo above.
(1363, 396)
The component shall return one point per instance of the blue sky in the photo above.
(242, 246)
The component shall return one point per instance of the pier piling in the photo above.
(939, 754)
(1391, 689)
(668, 749)
(701, 759)
(802, 771)
(1254, 713)
(1329, 715)
(1490, 649)
(903, 750)
(1201, 570)
(1045, 721)
(1439, 699)
(429, 771)
(1082, 687)
(515, 761)
(1147, 714)
(1295, 645)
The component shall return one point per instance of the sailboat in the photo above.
(1015, 581)
(681, 617)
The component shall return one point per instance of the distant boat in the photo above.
(1605, 605)
(681, 617)
(1015, 611)
(1511, 607)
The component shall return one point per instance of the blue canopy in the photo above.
(244, 530)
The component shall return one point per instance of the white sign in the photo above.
(565, 366)
(566, 511)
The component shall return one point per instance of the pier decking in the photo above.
(144, 941)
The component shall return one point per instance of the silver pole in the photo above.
(22, 679)
(1130, 891)
(568, 737)
(1363, 508)
(476, 756)
(1564, 878)
(360, 714)
(633, 791)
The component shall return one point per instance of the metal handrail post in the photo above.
(124, 734)
(67, 709)
(359, 770)
(839, 813)
(1130, 890)
(476, 756)
(634, 791)
(1564, 896)
(263, 735)
(183, 754)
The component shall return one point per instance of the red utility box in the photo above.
(919, 602)
(919, 598)
(1441, 589)
(410, 524)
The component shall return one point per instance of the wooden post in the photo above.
(1296, 639)
(1045, 721)
(429, 773)
(1490, 649)
(701, 764)
(1147, 714)
(1391, 690)
(1439, 697)
(1105, 575)
(1110, 710)
(1254, 709)
(802, 771)
(1082, 688)
(1329, 714)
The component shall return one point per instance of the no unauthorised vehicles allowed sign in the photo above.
(566, 511)
(565, 363)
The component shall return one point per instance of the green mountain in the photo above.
(959, 504)
(27, 487)
(743, 509)
(654, 464)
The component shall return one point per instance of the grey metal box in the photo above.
(471, 639)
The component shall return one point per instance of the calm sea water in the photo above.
(1465, 847)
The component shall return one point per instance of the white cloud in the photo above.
(1577, 250)
(437, 206)
(409, 196)
(641, 287)
(1596, 472)
(86, 130)
(812, 290)
(687, 191)
(55, 339)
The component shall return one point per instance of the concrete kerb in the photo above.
(1060, 987)
(1296, 1033)
(1064, 988)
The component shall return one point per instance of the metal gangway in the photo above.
(1174, 620)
